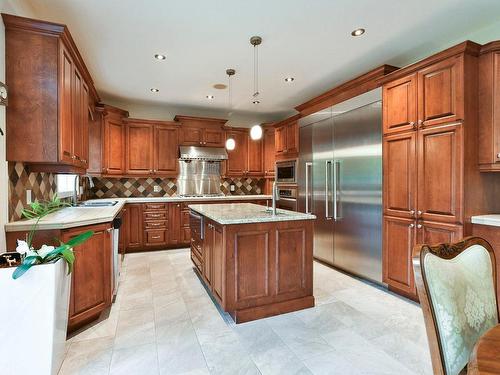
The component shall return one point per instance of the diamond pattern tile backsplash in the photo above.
(42, 186)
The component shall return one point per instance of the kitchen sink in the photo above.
(97, 204)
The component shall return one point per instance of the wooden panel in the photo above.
(66, 108)
(280, 140)
(186, 235)
(192, 136)
(123, 238)
(174, 223)
(399, 100)
(155, 224)
(155, 237)
(184, 218)
(77, 139)
(218, 263)
(96, 140)
(251, 262)
(441, 92)
(213, 137)
(160, 215)
(135, 226)
(269, 152)
(292, 138)
(208, 243)
(114, 139)
(166, 151)
(400, 174)
(432, 233)
(255, 157)
(290, 260)
(398, 242)
(440, 173)
(139, 149)
(237, 158)
(155, 206)
(85, 118)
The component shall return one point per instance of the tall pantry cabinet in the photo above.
(432, 183)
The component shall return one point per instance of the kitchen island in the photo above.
(255, 264)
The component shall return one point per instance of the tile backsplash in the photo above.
(42, 185)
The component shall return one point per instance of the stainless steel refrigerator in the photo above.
(340, 181)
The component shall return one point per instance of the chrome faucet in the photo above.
(275, 197)
(76, 187)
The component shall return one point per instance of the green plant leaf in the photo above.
(28, 262)
(81, 238)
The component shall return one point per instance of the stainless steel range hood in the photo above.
(202, 153)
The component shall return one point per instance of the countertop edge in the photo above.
(492, 220)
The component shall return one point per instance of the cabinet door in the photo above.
(237, 158)
(78, 128)
(207, 253)
(292, 138)
(399, 100)
(440, 177)
(166, 151)
(399, 240)
(269, 152)
(114, 141)
(123, 240)
(400, 174)
(213, 137)
(139, 146)
(192, 136)
(85, 125)
(217, 263)
(66, 108)
(255, 157)
(174, 223)
(441, 92)
(431, 233)
(280, 140)
(135, 225)
(92, 274)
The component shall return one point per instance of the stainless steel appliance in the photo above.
(286, 172)
(199, 171)
(287, 197)
(115, 238)
(340, 181)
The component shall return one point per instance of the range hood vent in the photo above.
(202, 153)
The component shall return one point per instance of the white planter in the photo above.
(34, 319)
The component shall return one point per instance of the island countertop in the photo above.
(246, 213)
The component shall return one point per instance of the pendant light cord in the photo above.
(255, 71)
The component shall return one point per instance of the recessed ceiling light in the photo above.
(289, 79)
(256, 102)
(358, 32)
(220, 86)
(160, 57)
(209, 97)
(154, 90)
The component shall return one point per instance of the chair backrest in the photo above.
(457, 291)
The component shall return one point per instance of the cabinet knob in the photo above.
(419, 226)
(498, 155)
(419, 212)
(420, 122)
(178, 205)
(411, 225)
(412, 212)
(155, 171)
(73, 157)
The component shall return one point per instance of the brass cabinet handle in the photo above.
(411, 225)
(155, 215)
(412, 212)
(498, 155)
(419, 212)
(419, 226)
(155, 237)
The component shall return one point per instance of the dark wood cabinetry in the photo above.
(247, 158)
(113, 143)
(202, 131)
(175, 224)
(47, 129)
(91, 279)
(269, 152)
(139, 149)
(400, 104)
(287, 138)
(133, 224)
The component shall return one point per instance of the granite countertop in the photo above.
(71, 217)
(246, 213)
(492, 220)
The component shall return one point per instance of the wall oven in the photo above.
(287, 198)
(286, 172)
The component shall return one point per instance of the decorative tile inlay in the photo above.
(42, 186)
(244, 186)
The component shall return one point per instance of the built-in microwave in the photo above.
(286, 172)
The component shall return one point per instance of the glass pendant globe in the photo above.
(230, 144)
(256, 132)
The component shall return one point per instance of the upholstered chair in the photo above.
(456, 288)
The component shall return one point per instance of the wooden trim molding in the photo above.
(288, 120)
(490, 47)
(186, 119)
(111, 110)
(130, 120)
(347, 90)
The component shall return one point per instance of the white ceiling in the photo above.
(309, 40)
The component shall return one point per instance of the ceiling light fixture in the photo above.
(358, 32)
(255, 41)
(154, 90)
(289, 79)
(210, 97)
(230, 142)
(160, 57)
(256, 102)
(256, 132)
(220, 86)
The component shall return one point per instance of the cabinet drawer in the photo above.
(155, 224)
(155, 206)
(156, 236)
(185, 219)
(185, 205)
(160, 215)
(196, 260)
(196, 247)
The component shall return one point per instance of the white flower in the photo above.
(44, 250)
(31, 253)
(22, 247)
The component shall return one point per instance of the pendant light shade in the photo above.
(230, 144)
(256, 132)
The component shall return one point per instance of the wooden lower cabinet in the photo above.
(133, 224)
(175, 223)
(91, 289)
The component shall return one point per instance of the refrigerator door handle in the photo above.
(328, 169)
(308, 166)
(336, 184)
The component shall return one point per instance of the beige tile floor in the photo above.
(163, 322)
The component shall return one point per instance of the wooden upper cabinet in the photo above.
(280, 140)
(440, 173)
(201, 131)
(399, 100)
(213, 137)
(287, 139)
(400, 177)
(114, 144)
(192, 136)
(441, 92)
(139, 149)
(255, 165)
(292, 138)
(49, 89)
(166, 150)
(237, 162)
(269, 152)
(489, 109)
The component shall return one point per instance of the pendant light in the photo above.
(255, 41)
(230, 142)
